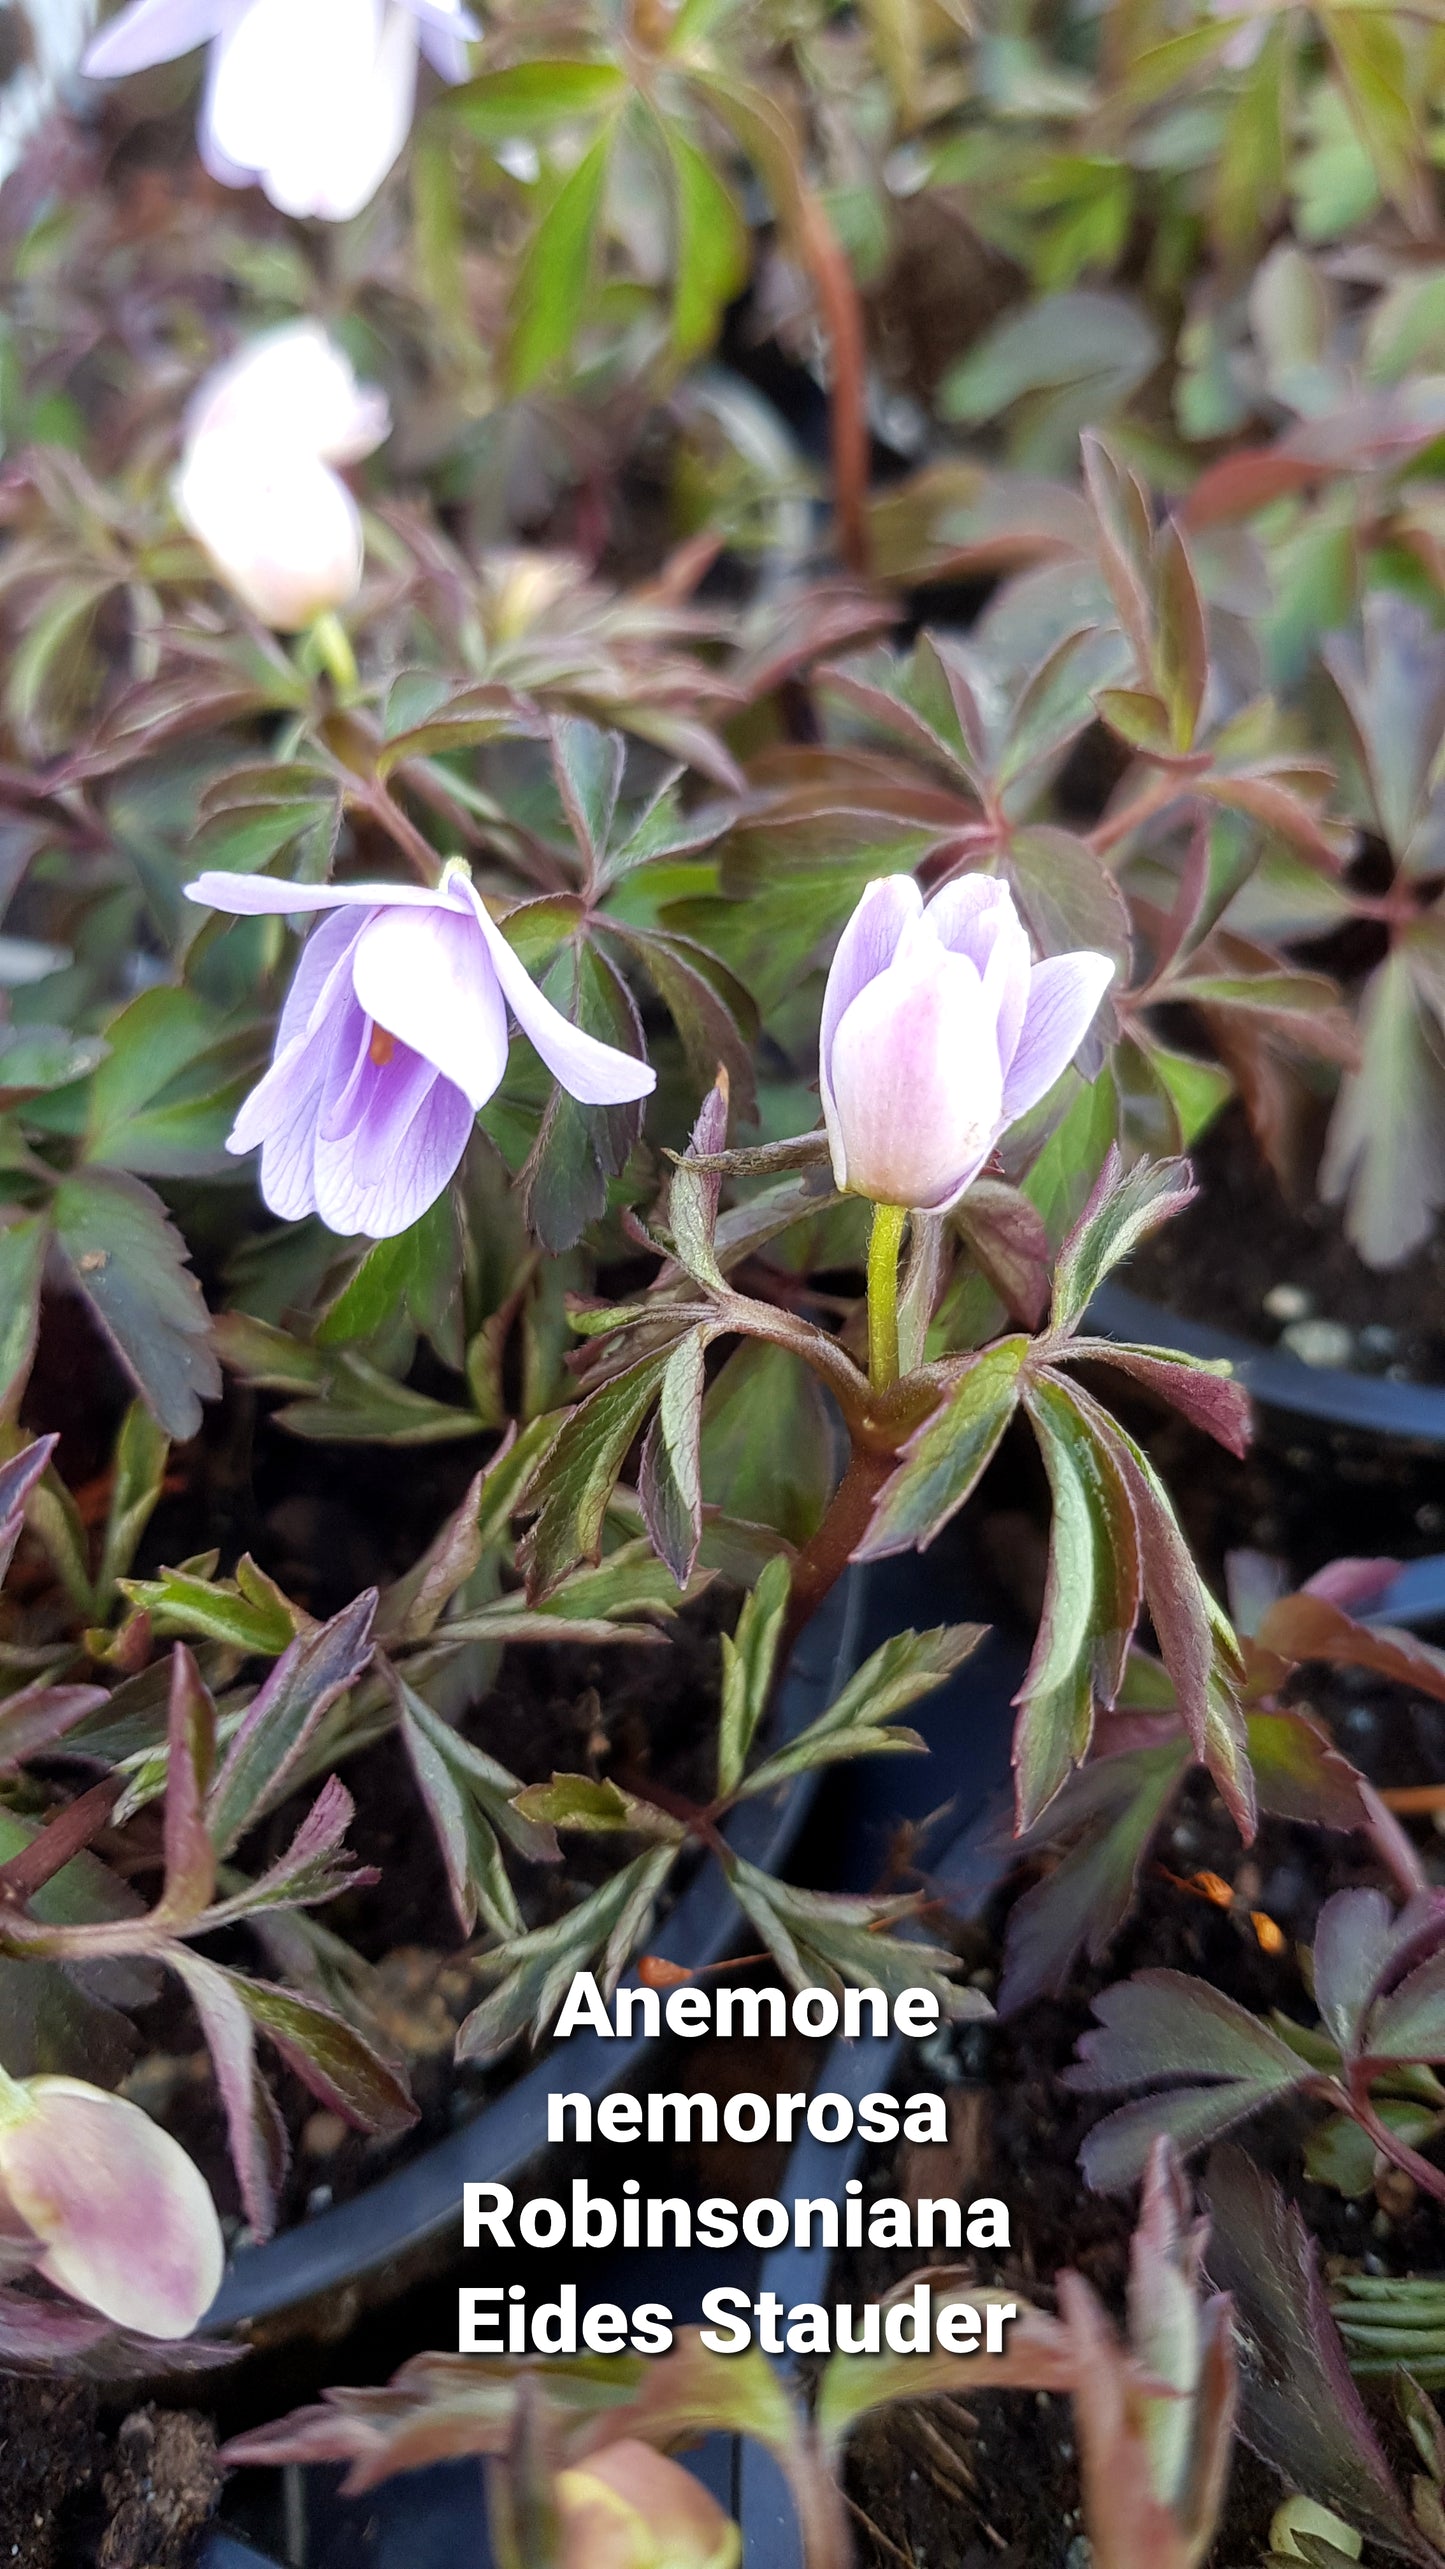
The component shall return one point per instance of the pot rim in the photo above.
(392, 2220)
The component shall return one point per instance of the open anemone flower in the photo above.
(313, 99)
(393, 1034)
(940, 1030)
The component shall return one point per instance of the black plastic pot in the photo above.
(223, 2550)
(1366, 1404)
(362, 2251)
(435, 2519)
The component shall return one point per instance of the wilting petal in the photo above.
(256, 896)
(316, 97)
(917, 1091)
(153, 31)
(866, 947)
(596, 1073)
(1064, 996)
(293, 387)
(426, 976)
(125, 2218)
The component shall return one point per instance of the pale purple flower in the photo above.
(939, 1030)
(394, 1032)
(313, 99)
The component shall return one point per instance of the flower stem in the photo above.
(889, 1224)
(331, 643)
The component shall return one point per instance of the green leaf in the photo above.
(1369, 52)
(23, 1244)
(550, 295)
(1091, 1600)
(596, 1809)
(823, 1939)
(141, 1452)
(418, 1272)
(768, 1441)
(130, 1266)
(468, 1796)
(588, 766)
(1068, 360)
(1163, 2025)
(1385, 1151)
(750, 1658)
(573, 1486)
(859, 1723)
(329, 2056)
(670, 1479)
(533, 98)
(1123, 1211)
(264, 1757)
(535, 1971)
(165, 1098)
(712, 256)
(36, 1059)
(183, 1607)
(943, 1463)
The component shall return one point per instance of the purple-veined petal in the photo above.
(323, 956)
(152, 31)
(125, 2217)
(256, 896)
(427, 977)
(917, 1089)
(1064, 995)
(596, 1073)
(407, 1131)
(866, 947)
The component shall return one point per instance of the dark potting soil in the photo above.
(78, 2491)
(943, 2486)
(1246, 1259)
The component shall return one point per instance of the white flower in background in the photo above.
(312, 99)
(258, 486)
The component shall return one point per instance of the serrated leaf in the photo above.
(534, 1971)
(670, 1479)
(948, 1456)
(1091, 1600)
(1221, 2065)
(1125, 1207)
(750, 1658)
(859, 1722)
(573, 1486)
(313, 1672)
(130, 1266)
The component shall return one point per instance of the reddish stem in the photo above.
(63, 1837)
(1426, 2175)
(837, 293)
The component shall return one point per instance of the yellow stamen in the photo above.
(381, 1047)
(1271, 1936)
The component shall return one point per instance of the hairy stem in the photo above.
(827, 1554)
(884, 1247)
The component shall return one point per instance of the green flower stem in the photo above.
(331, 643)
(890, 1221)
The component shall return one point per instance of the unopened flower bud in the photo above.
(118, 2215)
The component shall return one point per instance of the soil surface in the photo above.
(76, 2491)
(1246, 1259)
